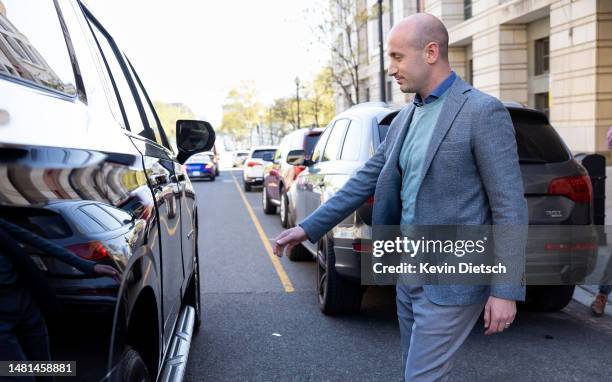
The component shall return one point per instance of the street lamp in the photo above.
(297, 93)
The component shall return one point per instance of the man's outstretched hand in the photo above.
(289, 238)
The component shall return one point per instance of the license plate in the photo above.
(39, 263)
(196, 173)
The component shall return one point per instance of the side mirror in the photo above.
(268, 157)
(193, 137)
(296, 157)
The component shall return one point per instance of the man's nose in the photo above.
(391, 71)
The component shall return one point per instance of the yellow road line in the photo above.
(278, 267)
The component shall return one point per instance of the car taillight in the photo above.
(578, 188)
(94, 250)
(566, 247)
(370, 200)
(253, 164)
(298, 170)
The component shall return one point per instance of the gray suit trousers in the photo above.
(431, 334)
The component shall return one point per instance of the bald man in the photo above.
(449, 158)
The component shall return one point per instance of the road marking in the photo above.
(278, 267)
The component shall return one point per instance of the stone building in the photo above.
(553, 55)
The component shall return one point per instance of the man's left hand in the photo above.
(499, 314)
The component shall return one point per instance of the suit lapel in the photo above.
(453, 103)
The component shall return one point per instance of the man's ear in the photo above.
(432, 52)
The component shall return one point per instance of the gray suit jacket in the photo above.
(471, 176)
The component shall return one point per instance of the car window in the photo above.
(536, 140)
(124, 93)
(283, 149)
(310, 141)
(334, 142)
(101, 216)
(33, 46)
(160, 137)
(86, 223)
(199, 159)
(259, 154)
(118, 214)
(44, 222)
(317, 154)
(351, 148)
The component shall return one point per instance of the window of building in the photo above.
(391, 14)
(367, 94)
(33, 42)
(334, 143)
(467, 9)
(469, 70)
(542, 55)
(389, 91)
(541, 102)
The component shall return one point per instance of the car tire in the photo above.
(547, 298)
(268, 207)
(247, 187)
(132, 367)
(217, 171)
(284, 209)
(335, 294)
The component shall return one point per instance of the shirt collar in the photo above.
(437, 92)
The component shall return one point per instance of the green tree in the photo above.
(241, 111)
(320, 98)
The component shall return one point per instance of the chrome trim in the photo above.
(175, 362)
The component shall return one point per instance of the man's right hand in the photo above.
(289, 238)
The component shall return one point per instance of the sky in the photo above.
(195, 51)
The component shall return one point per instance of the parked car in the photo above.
(214, 154)
(239, 157)
(92, 172)
(252, 170)
(280, 174)
(557, 189)
(201, 166)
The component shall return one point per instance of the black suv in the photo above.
(89, 182)
(562, 244)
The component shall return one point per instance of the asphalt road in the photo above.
(255, 328)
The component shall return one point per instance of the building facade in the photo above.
(553, 55)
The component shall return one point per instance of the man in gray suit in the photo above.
(449, 158)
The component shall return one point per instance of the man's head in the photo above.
(418, 53)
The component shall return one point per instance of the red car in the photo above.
(280, 174)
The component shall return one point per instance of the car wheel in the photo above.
(132, 367)
(217, 171)
(547, 298)
(284, 209)
(268, 207)
(247, 187)
(335, 294)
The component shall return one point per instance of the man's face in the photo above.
(406, 63)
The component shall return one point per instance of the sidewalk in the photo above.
(585, 294)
